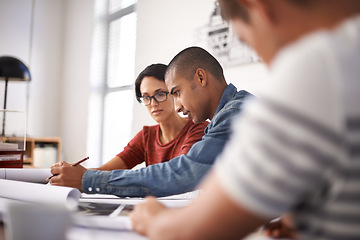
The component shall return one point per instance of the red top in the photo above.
(146, 145)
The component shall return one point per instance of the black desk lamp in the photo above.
(12, 69)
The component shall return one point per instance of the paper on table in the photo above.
(26, 175)
(103, 216)
(40, 193)
(116, 220)
(174, 201)
(183, 196)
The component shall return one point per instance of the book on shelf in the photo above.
(8, 146)
(10, 157)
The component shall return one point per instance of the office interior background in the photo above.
(84, 56)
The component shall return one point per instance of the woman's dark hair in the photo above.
(154, 70)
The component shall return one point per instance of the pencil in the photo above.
(77, 163)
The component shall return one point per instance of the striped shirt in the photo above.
(296, 147)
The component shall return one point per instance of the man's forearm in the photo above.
(179, 176)
(212, 216)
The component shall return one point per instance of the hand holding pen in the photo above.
(66, 174)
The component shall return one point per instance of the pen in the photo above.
(74, 165)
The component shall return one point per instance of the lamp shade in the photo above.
(12, 69)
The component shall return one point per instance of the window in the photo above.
(112, 79)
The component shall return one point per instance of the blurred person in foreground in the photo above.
(296, 148)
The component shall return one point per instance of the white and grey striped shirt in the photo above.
(296, 148)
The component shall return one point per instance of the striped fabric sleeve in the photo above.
(271, 162)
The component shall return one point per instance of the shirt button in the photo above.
(98, 189)
(90, 189)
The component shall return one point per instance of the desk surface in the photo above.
(92, 230)
(92, 234)
(97, 234)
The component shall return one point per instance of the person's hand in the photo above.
(144, 214)
(64, 174)
(280, 228)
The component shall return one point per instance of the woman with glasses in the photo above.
(171, 137)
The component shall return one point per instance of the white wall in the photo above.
(77, 21)
(57, 51)
(164, 29)
(46, 68)
(15, 41)
(59, 59)
(34, 35)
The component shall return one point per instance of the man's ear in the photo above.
(268, 9)
(201, 76)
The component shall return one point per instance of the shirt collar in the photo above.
(227, 95)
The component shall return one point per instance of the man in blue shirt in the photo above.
(196, 81)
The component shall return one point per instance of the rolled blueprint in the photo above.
(40, 193)
(25, 175)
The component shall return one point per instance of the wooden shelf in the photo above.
(31, 143)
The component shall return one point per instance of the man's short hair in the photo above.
(231, 8)
(190, 59)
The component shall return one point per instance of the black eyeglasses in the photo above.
(158, 97)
